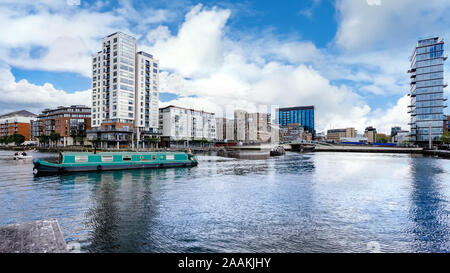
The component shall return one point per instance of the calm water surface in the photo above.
(318, 202)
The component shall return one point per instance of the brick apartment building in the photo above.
(71, 122)
(16, 123)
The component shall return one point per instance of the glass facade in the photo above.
(427, 90)
(304, 115)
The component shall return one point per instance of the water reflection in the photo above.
(428, 206)
(315, 202)
(119, 205)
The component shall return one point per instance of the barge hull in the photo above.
(42, 170)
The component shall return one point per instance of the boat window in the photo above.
(126, 157)
(107, 158)
(83, 158)
(153, 157)
(169, 157)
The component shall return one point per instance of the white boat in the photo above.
(21, 156)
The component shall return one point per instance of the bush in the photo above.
(445, 138)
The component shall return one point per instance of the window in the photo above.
(81, 158)
(107, 158)
(126, 157)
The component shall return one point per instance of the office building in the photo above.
(17, 123)
(303, 115)
(371, 134)
(447, 124)
(336, 134)
(427, 90)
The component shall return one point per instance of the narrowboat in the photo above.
(105, 161)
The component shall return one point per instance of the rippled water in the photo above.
(317, 202)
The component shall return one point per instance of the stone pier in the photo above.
(42, 236)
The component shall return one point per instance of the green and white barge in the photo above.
(106, 161)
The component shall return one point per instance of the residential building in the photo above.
(183, 124)
(241, 125)
(230, 132)
(371, 134)
(336, 134)
(35, 129)
(147, 95)
(125, 95)
(70, 122)
(221, 129)
(17, 123)
(263, 133)
(427, 90)
(247, 127)
(303, 115)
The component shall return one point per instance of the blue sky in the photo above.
(347, 57)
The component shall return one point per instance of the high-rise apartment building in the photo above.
(113, 80)
(124, 92)
(427, 90)
(147, 96)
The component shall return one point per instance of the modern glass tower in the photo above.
(427, 90)
(304, 115)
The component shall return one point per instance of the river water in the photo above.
(314, 202)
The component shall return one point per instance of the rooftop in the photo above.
(24, 113)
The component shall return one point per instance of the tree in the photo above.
(16, 138)
(445, 138)
(43, 139)
(382, 138)
(54, 137)
(4, 139)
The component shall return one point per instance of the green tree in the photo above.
(16, 138)
(43, 139)
(382, 138)
(445, 138)
(4, 139)
(54, 137)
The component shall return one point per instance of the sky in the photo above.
(348, 58)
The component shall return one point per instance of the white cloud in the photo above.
(69, 34)
(197, 47)
(397, 115)
(365, 26)
(24, 95)
(210, 70)
(242, 77)
(373, 2)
